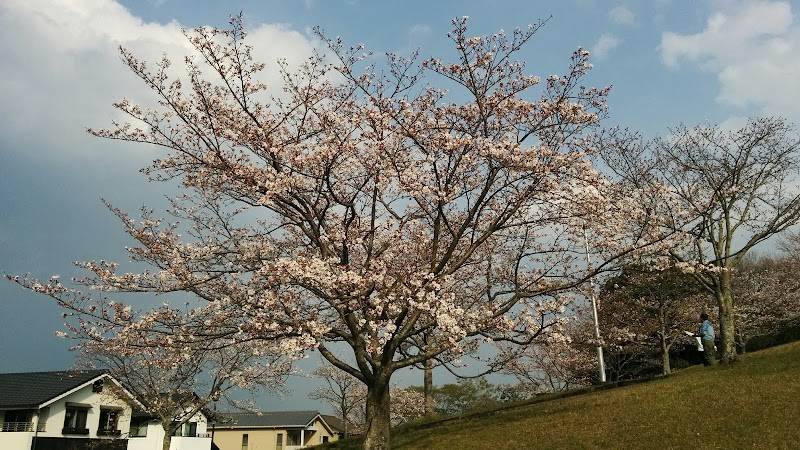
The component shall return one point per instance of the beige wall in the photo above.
(258, 439)
(265, 439)
(321, 431)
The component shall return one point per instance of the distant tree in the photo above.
(342, 391)
(347, 396)
(789, 244)
(654, 307)
(734, 190)
(407, 405)
(466, 395)
(767, 292)
(558, 362)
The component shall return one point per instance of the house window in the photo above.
(293, 437)
(323, 439)
(245, 441)
(188, 429)
(279, 443)
(75, 419)
(109, 422)
(19, 420)
(138, 428)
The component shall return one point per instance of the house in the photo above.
(146, 433)
(288, 430)
(336, 424)
(63, 410)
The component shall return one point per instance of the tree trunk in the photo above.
(168, 432)
(665, 366)
(727, 329)
(378, 417)
(741, 342)
(345, 410)
(427, 386)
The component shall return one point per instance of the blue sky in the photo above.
(670, 61)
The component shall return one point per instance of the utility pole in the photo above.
(601, 365)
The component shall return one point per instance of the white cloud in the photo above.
(61, 68)
(417, 35)
(420, 30)
(733, 123)
(622, 15)
(604, 45)
(753, 48)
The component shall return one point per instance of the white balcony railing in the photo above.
(17, 426)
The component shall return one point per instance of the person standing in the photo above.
(706, 334)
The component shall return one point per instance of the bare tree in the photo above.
(342, 391)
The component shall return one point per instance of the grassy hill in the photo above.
(754, 403)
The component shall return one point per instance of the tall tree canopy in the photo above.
(370, 205)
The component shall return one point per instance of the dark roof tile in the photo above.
(273, 419)
(334, 422)
(31, 389)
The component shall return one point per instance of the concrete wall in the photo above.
(16, 440)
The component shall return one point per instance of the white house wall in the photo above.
(155, 437)
(16, 441)
(50, 419)
(55, 420)
(153, 440)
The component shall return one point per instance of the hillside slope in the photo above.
(754, 403)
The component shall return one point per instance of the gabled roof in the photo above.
(275, 419)
(35, 389)
(334, 422)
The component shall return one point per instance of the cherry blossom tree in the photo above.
(735, 190)
(372, 204)
(408, 404)
(173, 361)
(559, 362)
(657, 305)
(767, 292)
(342, 391)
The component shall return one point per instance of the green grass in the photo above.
(754, 403)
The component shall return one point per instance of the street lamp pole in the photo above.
(601, 365)
(214, 398)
